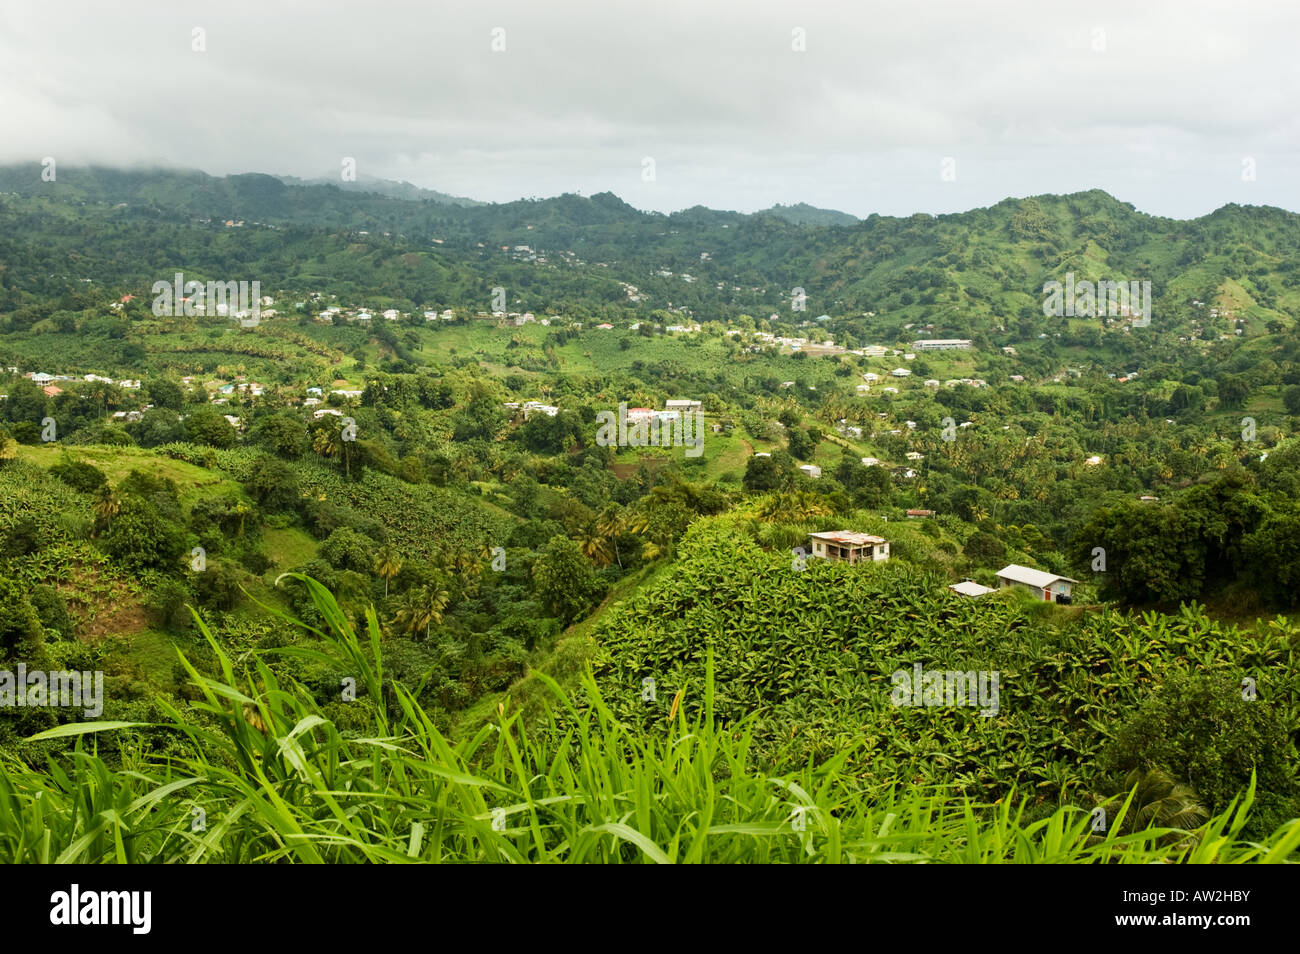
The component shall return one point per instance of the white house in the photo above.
(537, 407)
(683, 406)
(942, 344)
(900, 372)
(1045, 586)
(850, 546)
(812, 470)
(970, 588)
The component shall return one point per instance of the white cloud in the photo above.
(1016, 92)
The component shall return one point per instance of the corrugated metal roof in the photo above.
(1030, 577)
(849, 537)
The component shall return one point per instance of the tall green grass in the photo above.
(264, 776)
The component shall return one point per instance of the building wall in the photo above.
(1036, 590)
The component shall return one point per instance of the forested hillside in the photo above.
(385, 511)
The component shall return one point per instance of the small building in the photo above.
(849, 546)
(683, 406)
(1045, 586)
(942, 344)
(537, 407)
(970, 588)
(919, 514)
(812, 470)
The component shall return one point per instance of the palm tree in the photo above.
(797, 506)
(611, 525)
(419, 609)
(107, 506)
(330, 444)
(388, 563)
(636, 521)
(1162, 802)
(592, 542)
(326, 443)
(433, 600)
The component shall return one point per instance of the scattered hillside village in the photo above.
(318, 402)
(322, 403)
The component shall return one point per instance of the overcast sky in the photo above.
(1162, 104)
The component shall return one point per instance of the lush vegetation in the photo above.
(260, 773)
(397, 450)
